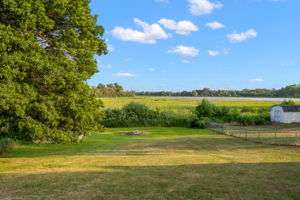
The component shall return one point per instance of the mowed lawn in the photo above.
(170, 163)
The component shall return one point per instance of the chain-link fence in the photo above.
(278, 136)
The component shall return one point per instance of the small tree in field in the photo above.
(205, 109)
(46, 55)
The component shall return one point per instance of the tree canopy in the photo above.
(111, 90)
(47, 50)
(288, 91)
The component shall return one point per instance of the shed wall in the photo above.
(277, 114)
(291, 117)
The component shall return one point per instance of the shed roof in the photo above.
(290, 108)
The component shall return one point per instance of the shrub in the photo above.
(205, 109)
(6, 145)
(248, 109)
(288, 102)
(258, 119)
(232, 116)
(136, 114)
(199, 123)
(226, 114)
(139, 110)
(265, 109)
(220, 112)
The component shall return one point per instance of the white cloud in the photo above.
(239, 37)
(124, 75)
(182, 27)
(151, 69)
(203, 7)
(149, 35)
(162, 1)
(110, 47)
(215, 25)
(184, 51)
(105, 66)
(256, 80)
(213, 53)
(185, 61)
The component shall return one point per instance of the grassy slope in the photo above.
(171, 163)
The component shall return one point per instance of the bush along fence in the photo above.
(280, 137)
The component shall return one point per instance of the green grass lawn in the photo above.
(171, 163)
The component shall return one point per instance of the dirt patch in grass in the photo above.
(137, 133)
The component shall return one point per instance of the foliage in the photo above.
(6, 145)
(288, 91)
(46, 55)
(288, 102)
(111, 90)
(227, 114)
(200, 123)
(136, 114)
(258, 119)
(205, 109)
(246, 109)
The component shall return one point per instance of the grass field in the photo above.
(178, 106)
(171, 163)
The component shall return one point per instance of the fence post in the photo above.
(275, 137)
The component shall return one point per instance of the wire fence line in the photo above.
(274, 136)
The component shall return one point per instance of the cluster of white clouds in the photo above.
(149, 35)
(182, 27)
(185, 51)
(239, 37)
(153, 32)
(215, 25)
(203, 7)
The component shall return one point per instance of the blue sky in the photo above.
(180, 45)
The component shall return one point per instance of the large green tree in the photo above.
(46, 55)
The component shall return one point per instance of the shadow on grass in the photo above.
(201, 181)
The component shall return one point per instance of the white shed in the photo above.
(285, 114)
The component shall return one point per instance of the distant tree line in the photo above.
(288, 91)
(111, 90)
